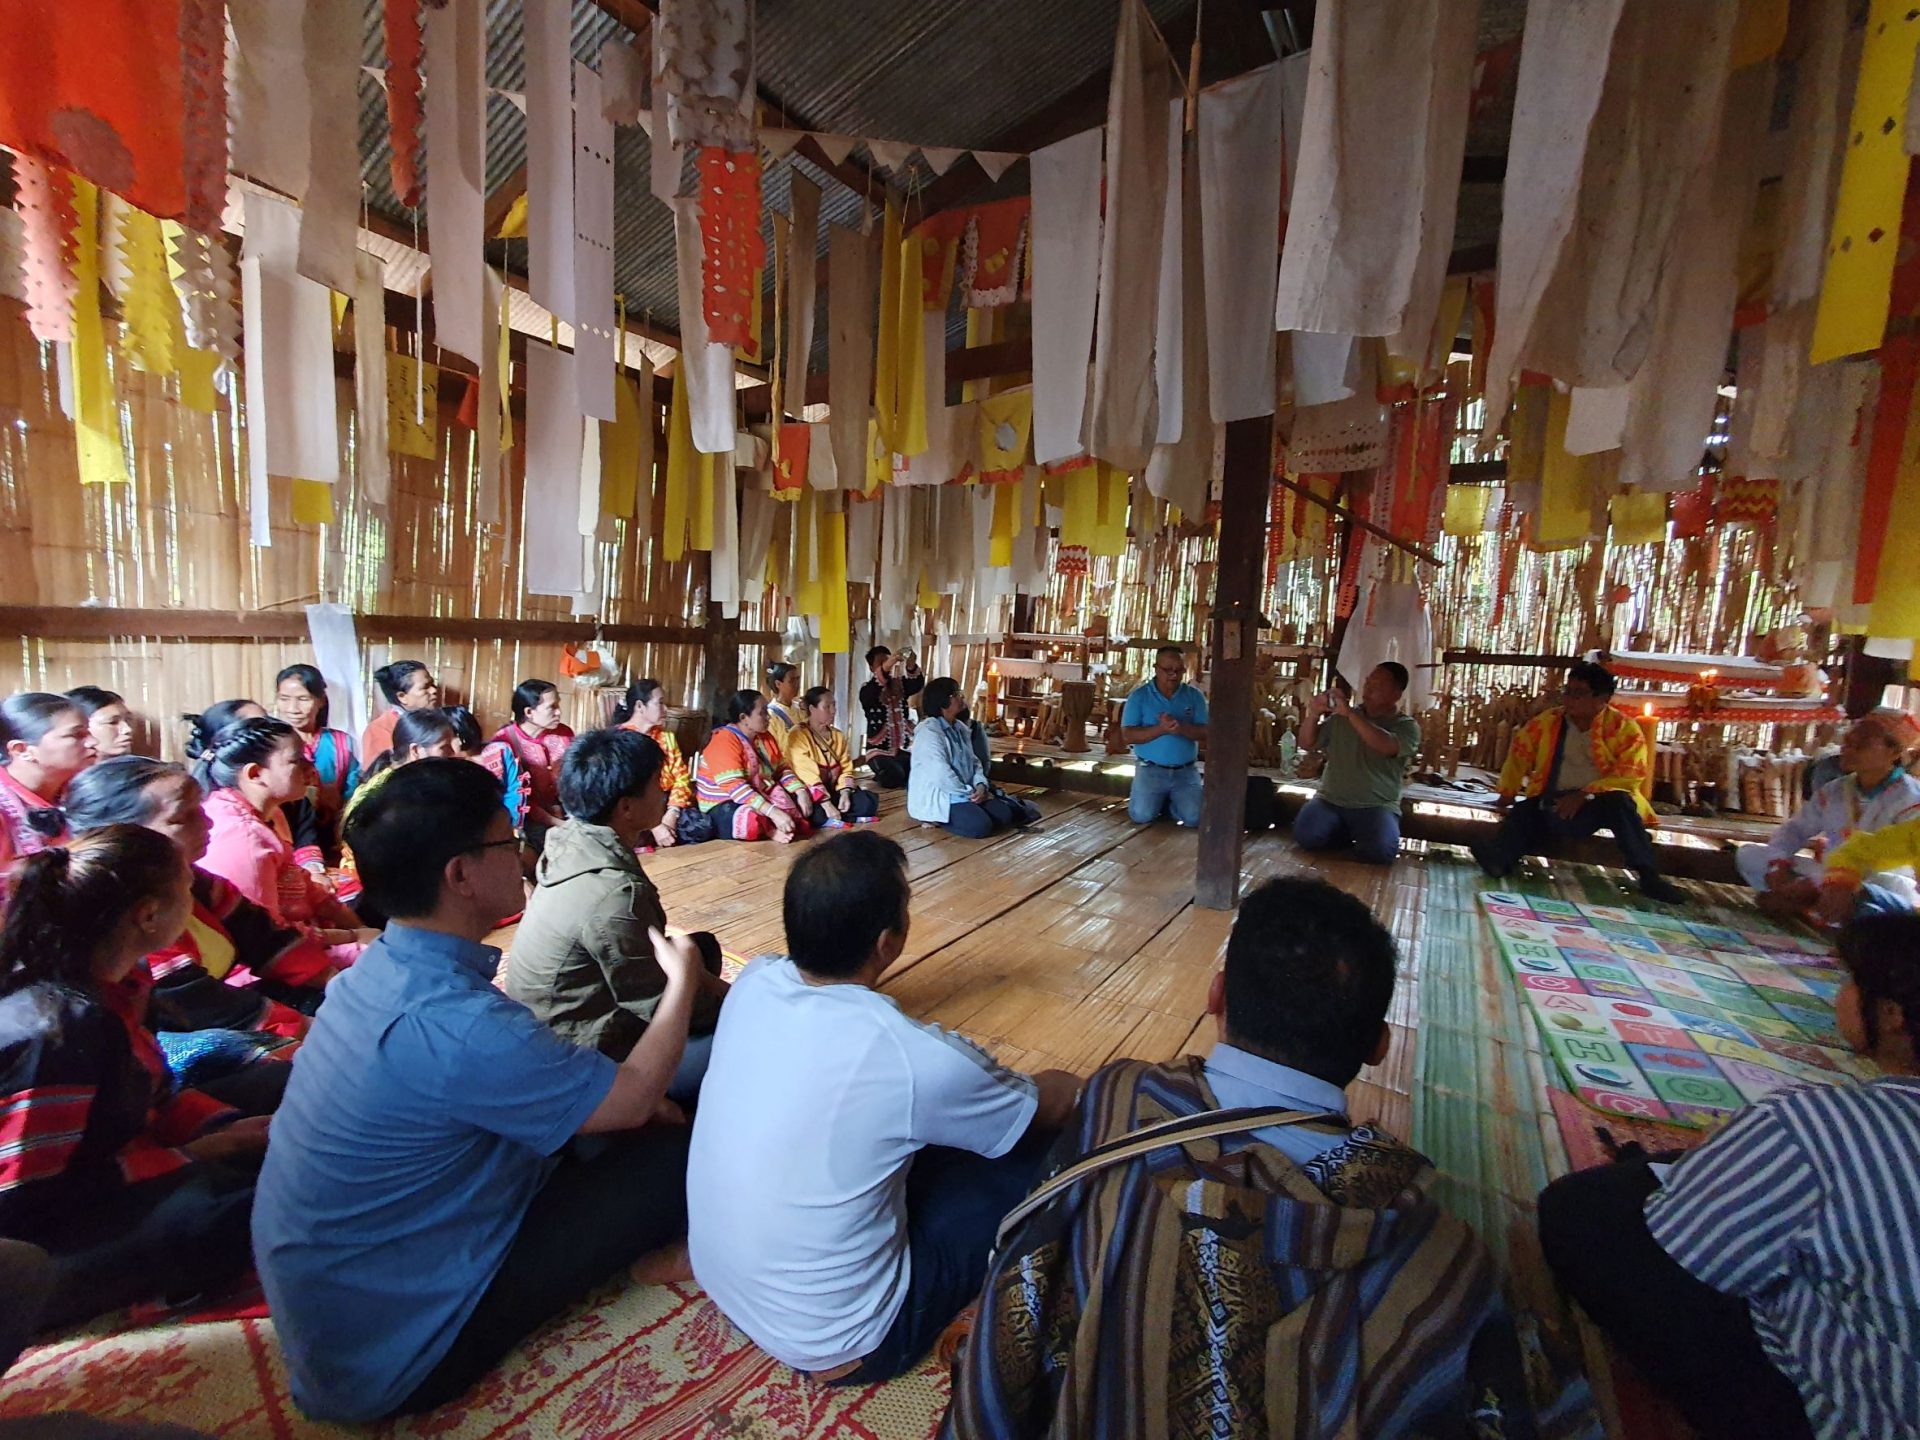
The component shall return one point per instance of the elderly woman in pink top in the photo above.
(248, 770)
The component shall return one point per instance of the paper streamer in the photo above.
(592, 248)
(552, 554)
(371, 461)
(708, 365)
(1066, 280)
(549, 58)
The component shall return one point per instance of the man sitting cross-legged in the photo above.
(850, 1164)
(1370, 747)
(1578, 769)
(411, 1226)
(582, 960)
(1291, 1271)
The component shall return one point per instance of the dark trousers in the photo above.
(1531, 826)
(1696, 1345)
(955, 1203)
(1373, 833)
(175, 1238)
(977, 819)
(591, 1220)
(864, 805)
(252, 1089)
(890, 771)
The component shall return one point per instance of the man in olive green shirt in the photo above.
(1369, 748)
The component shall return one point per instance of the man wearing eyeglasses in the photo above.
(414, 1220)
(1164, 721)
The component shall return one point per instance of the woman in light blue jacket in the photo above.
(947, 784)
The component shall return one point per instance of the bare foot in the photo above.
(663, 1266)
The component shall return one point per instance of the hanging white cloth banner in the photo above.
(996, 162)
(1031, 574)
(1371, 219)
(1240, 145)
(1597, 419)
(588, 492)
(487, 461)
(1181, 472)
(863, 540)
(1822, 100)
(336, 652)
(371, 461)
(330, 205)
(553, 559)
(664, 167)
(272, 109)
(723, 563)
(456, 173)
(293, 423)
(1390, 622)
(1066, 288)
(1676, 391)
(1121, 412)
(1169, 319)
(950, 447)
(1323, 367)
(899, 565)
(757, 514)
(592, 249)
(823, 469)
(851, 280)
(710, 392)
(623, 82)
(803, 249)
(549, 56)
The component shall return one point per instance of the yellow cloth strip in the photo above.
(1639, 519)
(879, 459)
(506, 364)
(407, 435)
(886, 360)
(1873, 182)
(1759, 31)
(513, 225)
(807, 594)
(312, 502)
(620, 451)
(1895, 612)
(910, 360)
(1110, 512)
(1466, 512)
(1079, 504)
(1005, 418)
(96, 417)
(687, 471)
(150, 312)
(1566, 495)
(834, 639)
(1006, 509)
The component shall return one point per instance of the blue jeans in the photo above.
(955, 1203)
(1374, 834)
(1157, 789)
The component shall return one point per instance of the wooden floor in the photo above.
(1067, 945)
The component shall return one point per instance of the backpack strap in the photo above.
(1208, 1125)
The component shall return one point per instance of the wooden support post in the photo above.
(720, 673)
(1236, 633)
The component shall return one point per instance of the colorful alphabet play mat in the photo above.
(1660, 1017)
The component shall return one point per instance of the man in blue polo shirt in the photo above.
(411, 1224)
(1164, 721)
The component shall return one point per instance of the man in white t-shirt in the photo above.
(851, 1165)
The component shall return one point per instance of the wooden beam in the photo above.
(1419, 552)
(1496, 657)
(1236, 635)
(99, 622)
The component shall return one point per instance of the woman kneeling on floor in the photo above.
(821, 758)
(123, 1179)
(743, 783)
(947, 784)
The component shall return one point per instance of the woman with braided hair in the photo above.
(44, 743)
(134, 1187)
(1769, 1282)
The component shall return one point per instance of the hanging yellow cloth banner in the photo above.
(879, 459)
(1466, 512)
(1895, 612)
(833, 582)
(506, 370)
(1565, 516)
(312, 502)
(910, 359)
(413, 406)
(196, 368)
(805, 577)
(620, 445)
(1079, 504)
(96, 416)
(1006, 423)
(1639, 518)
(886, 360)
(1873, 182)
(1006, 514)
(688, 473)
(1110, 512)
(149, 311)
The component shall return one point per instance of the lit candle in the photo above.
(1649, 728)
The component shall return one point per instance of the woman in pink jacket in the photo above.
(248, 771)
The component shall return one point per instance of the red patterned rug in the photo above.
(639, 1363)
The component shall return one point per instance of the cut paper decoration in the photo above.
(1350, 434)
(890, 154)
(1121, 412)
(779, 143)
(330, 203)
(1873, 181)
(128, 93)
(208, 284)
(836, 147)
(456, 170)
(790, 460)
(47, 228)
(550, 163)
(1006, 422)
(707, 364)
(704, 61)
(401, 20)
(1747, 502)
(939, 158)
(593, 316)
(731, 244)
(803, 246)
(370, 403)
(1370, 221)
(993, 246)
(1066, 279)
(413, 409)
(995, 162)
(1240, 141)
(850, 336)
(149, 310)
(96, 417)
(555, 562)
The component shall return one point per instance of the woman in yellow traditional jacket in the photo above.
(819, 756)
(1571, 772)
